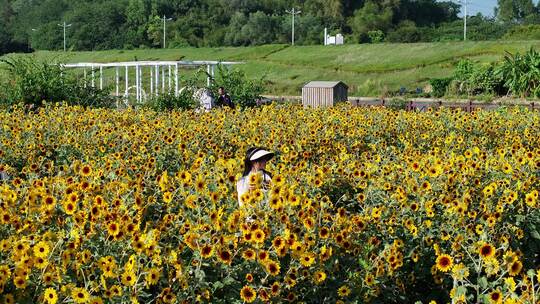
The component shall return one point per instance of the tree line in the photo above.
(124, 24)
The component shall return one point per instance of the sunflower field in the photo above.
(366, 205)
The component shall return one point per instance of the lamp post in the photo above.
(64, 25)
(164, 29)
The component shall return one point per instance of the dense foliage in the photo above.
(32, 82)
(366, 205)
(244, 91)
(108, 24)
(118, 24)
(520, 74)
(517, 75)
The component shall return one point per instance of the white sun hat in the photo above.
(261, 154)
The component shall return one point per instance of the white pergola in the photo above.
(162, 75)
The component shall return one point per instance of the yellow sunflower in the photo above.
(207, 251)
(514, 268)
(272, 267)
(41, 249)
(80, 295)
(50, 296)
(248, 294)
(444, 262)
(344, 291)
(486, 251)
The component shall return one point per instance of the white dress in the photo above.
(242, 186)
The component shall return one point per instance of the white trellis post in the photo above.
(127, 82)
(140, 84)
(176, 79)
(162, 79)
(117, 80)
(137, 79)
(84, 77)
(101, 78)
(93, 77)
(208, 78)
(151, 82)
(169, 68)
(157, 79)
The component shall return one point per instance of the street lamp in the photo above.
(64, 25)
(164, 29)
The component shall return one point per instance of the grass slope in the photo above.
(369, 69)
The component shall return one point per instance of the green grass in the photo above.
(369, 70)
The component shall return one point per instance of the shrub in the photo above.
(478, 29)
(470, 79)
(31, 81)
(406, 32)
(523, 32)
(168, 101)
(185, 99)
(521, 73)
(439, 86)
(244, 92)
(376, 36)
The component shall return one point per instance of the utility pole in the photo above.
(164, 30)
(465, 3)
(30, 40)
(293, 12)
(64, 25)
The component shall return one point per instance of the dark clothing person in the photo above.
(225, 101)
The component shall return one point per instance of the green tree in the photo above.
(516, 11)
(5, 36)
(96, 26)
(234, 35)
(258, 29)
(405, 32)
(155, 30)
(373, 16)
(136, 23)
(106, 24)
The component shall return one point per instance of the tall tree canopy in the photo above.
(516, 11)
(107, 24)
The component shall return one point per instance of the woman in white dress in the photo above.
(254, 163)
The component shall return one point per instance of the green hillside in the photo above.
(369, 69)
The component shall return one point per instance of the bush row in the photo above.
(32, 82)
(516, 75)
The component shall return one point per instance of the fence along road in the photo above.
(421, 104)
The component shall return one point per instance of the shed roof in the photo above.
(324, 84)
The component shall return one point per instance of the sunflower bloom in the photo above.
(444, 262)
(248, 294)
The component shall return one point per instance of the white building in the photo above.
(332, 40)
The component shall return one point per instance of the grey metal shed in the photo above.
(324, 93)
